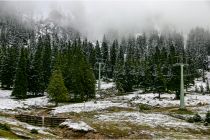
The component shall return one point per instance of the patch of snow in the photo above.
(201, 110)
(8, 103)
(167, 100)
(38, 101)
(86, 107)
(81, 126)
(199, 82)
(5, 94)
(153, 119)
(105, 85)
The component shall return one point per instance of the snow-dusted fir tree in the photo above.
(78, 74)
(20, 84)
(105, 55)
(37, 71)
(92, 57)
(98, 51)
(113, 56)
(56, 88)
(46, 60)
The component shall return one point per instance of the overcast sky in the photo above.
(96, 17)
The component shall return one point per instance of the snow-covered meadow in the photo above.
(150, 119)
(197, 102)
(7, 103)
(86, 107)
(167, 100)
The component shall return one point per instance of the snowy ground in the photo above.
(86, 107)
(167, 100)
(7, 103)
(81, 126)
(195, 101)
(105, 85)
(199, 82)
(151, 119)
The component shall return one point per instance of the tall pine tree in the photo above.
(46, 61)
(20, 84)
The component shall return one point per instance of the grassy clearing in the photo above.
(8, 134)
(120, 129)
(181, 111)
(117, 109)
(124, 129)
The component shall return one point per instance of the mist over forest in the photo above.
(94, 18)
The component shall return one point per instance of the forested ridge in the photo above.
(29, 57)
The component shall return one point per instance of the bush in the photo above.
(4, 127)
(119, 87)
(144, 107)
(201, 88)
(190, 120)
(34, 131)
(197, 118)
(196, 88)
(205, 124)
(207, 117)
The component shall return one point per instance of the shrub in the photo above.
(201, 88)
(205, 124)
(190, 120)
(207, 117)
(34, 131)
(144, 107)
(197, 118)
(5, 127)
(119, 87)
(196, 88)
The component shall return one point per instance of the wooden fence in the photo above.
(40, 120)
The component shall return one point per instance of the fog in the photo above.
(94, 18)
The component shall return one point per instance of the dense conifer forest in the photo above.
(29, 58)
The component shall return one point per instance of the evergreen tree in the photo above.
(120, 57)
(140, 46)
(2, 60)
(37, 79)
(153, 42)
(55, 48)
(9, 66)
(56, 88)
(98, 51)
(113, 56)
(126, 78)
(20, 84)
(92, 57)
(78, 74)
(105, 56)
(46, 61)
